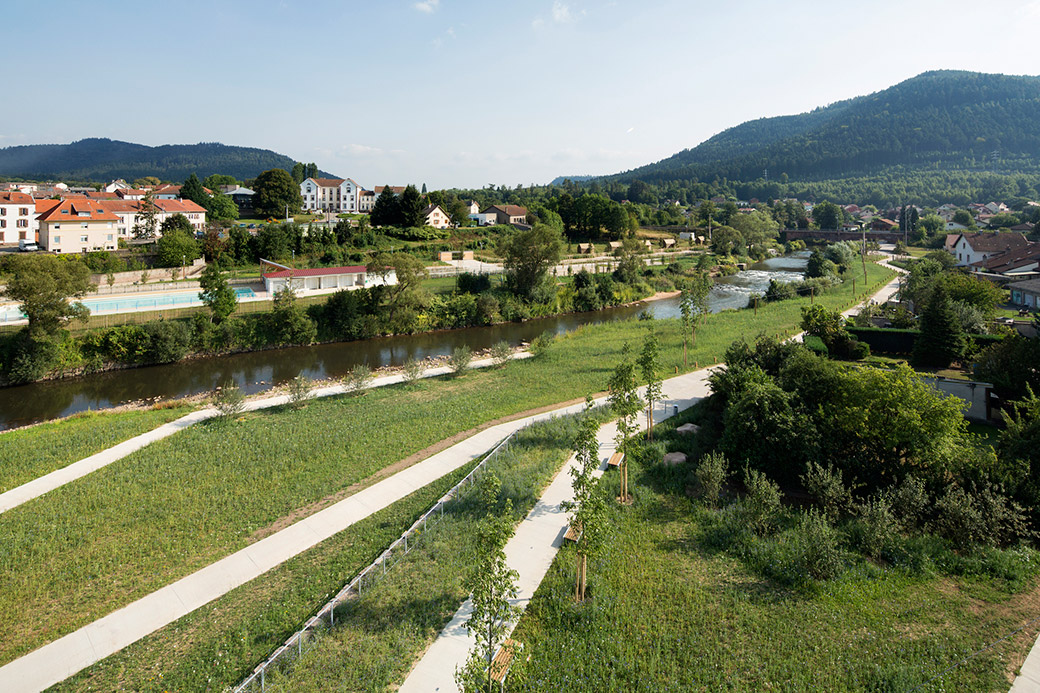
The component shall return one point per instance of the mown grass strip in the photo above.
(216, 646)
(29, 453)
(93, 546)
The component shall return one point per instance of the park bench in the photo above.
(573, 534)
(503, 660)
(616, 459)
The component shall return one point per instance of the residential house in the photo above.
(338, 195)
(118, 184)
(242, 197)
(1020, 261)
(882, 224)
(1026, 293)
(436, 217)
(472, 207)
(366, 200)
(17, 217)
(954, 226)
(127, 214)
(1022, 228)
(78, 226)
(508, 214)
(970, 248)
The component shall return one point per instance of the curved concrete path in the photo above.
(58, 478)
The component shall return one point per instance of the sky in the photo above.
(466, 93)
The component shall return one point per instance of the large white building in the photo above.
(338, 195)
(327, 278)
(128, 211)
(77, 226)
(17, 217)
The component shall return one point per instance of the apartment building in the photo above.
(77, 226)
(17, 217)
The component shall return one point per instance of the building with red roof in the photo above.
(17, 217)
(78, 226)
(325, 278)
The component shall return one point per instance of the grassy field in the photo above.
(184, 502)
(670, 612)
(32, 452)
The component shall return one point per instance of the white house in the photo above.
(17, 217)
(327, 278)
(436, 217)
(127, 213)
(330, 195)
(970, 248)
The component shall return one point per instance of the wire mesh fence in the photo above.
(325, 618)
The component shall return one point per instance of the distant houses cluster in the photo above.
(64, 220)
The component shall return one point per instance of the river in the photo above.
(258, 371)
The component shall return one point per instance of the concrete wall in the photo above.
(974, 394)
(157, 274)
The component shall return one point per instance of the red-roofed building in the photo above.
(327, 279)
(128, 212)
(17, 217)
(76, 226)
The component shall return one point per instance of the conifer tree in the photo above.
(942, 339)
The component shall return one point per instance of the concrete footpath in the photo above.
(533, 547)
(58, 478)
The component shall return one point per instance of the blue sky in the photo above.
(465, 93)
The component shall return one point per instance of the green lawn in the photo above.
(670, 612)
(30, 453)
(182, 503)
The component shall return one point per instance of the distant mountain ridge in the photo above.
(100, 159)
(937, 121)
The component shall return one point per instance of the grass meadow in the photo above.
(669, 611)
(95, 545)
(29, 453)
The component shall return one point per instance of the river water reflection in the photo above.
(258, 371)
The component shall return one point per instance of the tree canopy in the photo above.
(42, 285)
(275, 193)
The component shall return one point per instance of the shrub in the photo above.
(229, 401)
(359, 378)
(472, 283)
(819, 553)
(500, 353)
(460, 359)
(828, 489)
(299, 391)
(711, 475)
(959, 519)
(815, 344)
(168, 341)
(413, 369)
(879, 526)
(762, 502)
(909, 501)
(541, 343)
(779, 291)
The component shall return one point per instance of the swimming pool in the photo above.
(123, 304)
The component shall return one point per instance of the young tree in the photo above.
(625, 403)
(42, 285)
(222, 207)
(648, 364)
(407, 293)
(177, 245)
(492, 585)
(693, 305)
(216, 294)
(275, 192)
(587, 508)
(706, 213)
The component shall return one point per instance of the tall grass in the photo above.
(93, 546)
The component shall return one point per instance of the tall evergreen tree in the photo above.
(942, 339)
(385, 211)
(410, 206)
(193, 190)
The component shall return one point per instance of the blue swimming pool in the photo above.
(131, 304)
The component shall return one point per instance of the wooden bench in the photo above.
(503, 660)
(573, 534)
(616, 459)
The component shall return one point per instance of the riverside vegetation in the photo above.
(176, 514)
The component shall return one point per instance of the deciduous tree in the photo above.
(275, 192)
(42, 285)
(216, 294)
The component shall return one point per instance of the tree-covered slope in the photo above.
(98, 159)
(949, 120)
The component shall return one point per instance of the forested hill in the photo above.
(100, 160)
(937, 122)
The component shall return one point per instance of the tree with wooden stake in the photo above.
(649, 366)
(588, 507)
(693, 306)
(492, 585)
(626, 403)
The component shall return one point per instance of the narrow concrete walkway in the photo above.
(533, 547)
(1028, 679)
(64, 657)
(59, 477)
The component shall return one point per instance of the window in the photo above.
(3, 211)
(57, 226)
(56, 240)
(3, 223)
(108, 237)
(84, 225)
(23, 223)
(82, 239)
(23, 211)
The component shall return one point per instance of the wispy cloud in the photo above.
(427, 6)
(561, 12)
